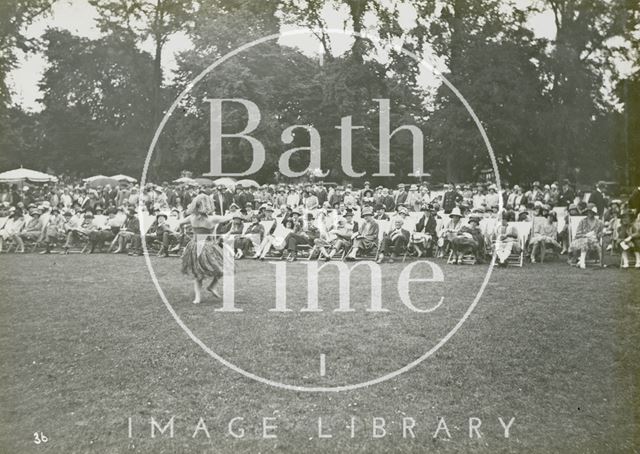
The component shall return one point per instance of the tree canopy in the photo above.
(552, 108)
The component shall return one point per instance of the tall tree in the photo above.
(96, 95)
(15, 16)
(576, 71)
(140, 20)
(491, 59)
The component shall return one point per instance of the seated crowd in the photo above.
(462, 223)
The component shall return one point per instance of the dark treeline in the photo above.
(552, 109)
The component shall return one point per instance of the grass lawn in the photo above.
(87, 343)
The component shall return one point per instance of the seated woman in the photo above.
(79, 233)
(450, 231)
(506, 239)
(563, 236)
(544, 235)
(367, 236)
(629, 239)
(468, 239)
(422, 239)
(611, 221)
(53, 230)
(12, 227)
(130, 228)
(304, 233)
(275, 239)
(106, 232)
(587, 237)
(340, 237)
(235, 229)
(250, 239)
(31, 232)
(324, 238)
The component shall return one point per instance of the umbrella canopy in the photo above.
(126, 178)
(203, 181)
(186, 180)
(247, 183)
(21, 175)
(98, 182)
(225, 181)
(93, 178)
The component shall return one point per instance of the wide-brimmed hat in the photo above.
(455, 212)
(367, 211)
(348, 213)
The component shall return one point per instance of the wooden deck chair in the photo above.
(524, 231)
(467, 259)
(574, 221)
(488, 226)
(372, 254)
(410, 225)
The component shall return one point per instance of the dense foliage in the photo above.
(552, 108)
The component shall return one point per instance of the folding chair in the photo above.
(574, 221)
(524, 230)
(372, 253)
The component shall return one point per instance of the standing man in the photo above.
(401, 195)
(567, 194)
(220, 202)
(598, 198)
(450, 199)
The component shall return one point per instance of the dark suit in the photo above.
(221, 202)
(395, 241)
(389, 204)
(599, 200)
(567, 197)
(321, 194)
(336, 197)
(449, 200)
(634, 200)
(400, 197)
(427, 227)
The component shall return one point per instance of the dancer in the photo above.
(202, 257)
